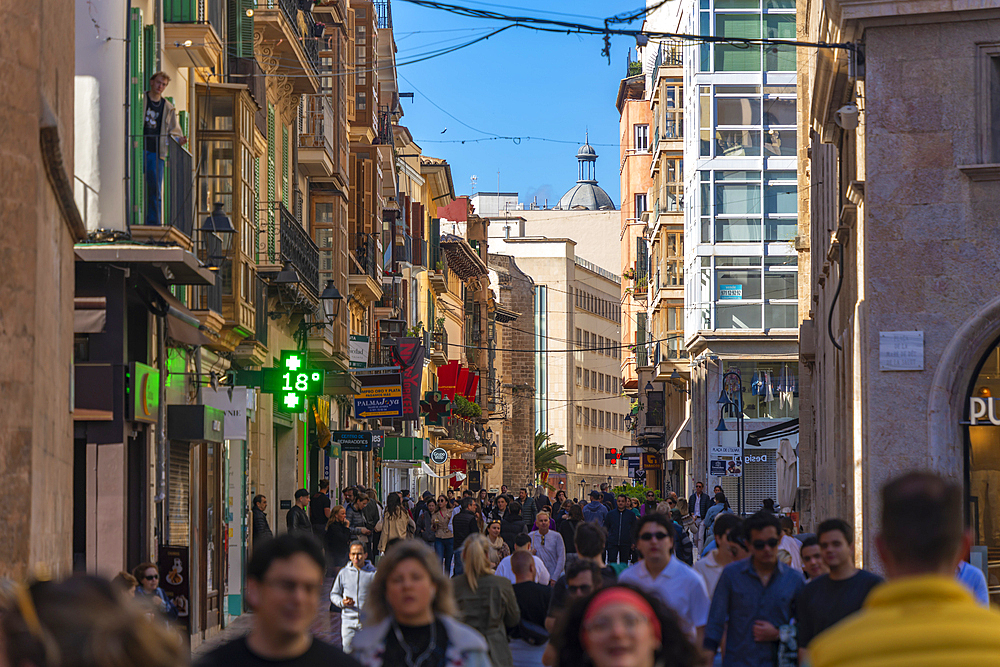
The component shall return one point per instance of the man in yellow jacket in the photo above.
(922, 616)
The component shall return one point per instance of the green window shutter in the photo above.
(137, 112)
(256, 209)
(183, 120)
(271, 259)
(240, 28)
(285, 194)
(640, 339)
(180, 11)
(151, 49)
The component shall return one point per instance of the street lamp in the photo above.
(217, 235)
(610, 482)
(727, 402)
(331, 298)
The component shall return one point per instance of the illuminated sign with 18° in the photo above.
(292, 381)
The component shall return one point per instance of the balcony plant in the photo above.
(466, 409)
(641, 284)
(629, 273)
(439, 323)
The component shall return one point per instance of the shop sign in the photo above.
(145, 391)
(980, 408)
(292, 380)
(358, 351)
(439, 455)
(652, 461)
(485, 458)
(901, 350)
(409, 353)
(381, 394)
(175, 579)
(353, 441)
(730, 292)
(724, 460)
(233, 402)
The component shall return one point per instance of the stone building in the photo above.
(515, 368)
(899, 152)
(40, 223)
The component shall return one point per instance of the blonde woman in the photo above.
(485, 601)
(498, 548)
(409, 616)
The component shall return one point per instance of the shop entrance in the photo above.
(982, 469)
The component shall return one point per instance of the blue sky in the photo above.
(518, 83)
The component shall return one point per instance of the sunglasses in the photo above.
(760, 544)
(646, 537)
(151, 577)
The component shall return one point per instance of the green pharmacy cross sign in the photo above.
(293, 380)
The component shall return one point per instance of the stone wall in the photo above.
(516, 373)
(36, 294)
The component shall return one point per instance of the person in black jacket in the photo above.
(297, 519)
(512, 525)
(619, 523)
(261, 529)
(573, 518)
(337, 540)
(462, 525)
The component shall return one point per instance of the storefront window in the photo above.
(770, 388)
(984, 461)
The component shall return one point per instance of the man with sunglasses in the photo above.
(675, 583)
(754, 597)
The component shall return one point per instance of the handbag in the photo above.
(532, 633)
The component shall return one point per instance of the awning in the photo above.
(177, 265)
(775, 432)
(681, 440)
(90, 314)
(182, 326)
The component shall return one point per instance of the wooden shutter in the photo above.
(640, 339)
(137, 112)
(240, 29)
(256, 210)
(271, 258)
(285, 194)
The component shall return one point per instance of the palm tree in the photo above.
(547, 455)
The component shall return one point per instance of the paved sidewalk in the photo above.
(325, 627)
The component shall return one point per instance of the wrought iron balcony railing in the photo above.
(297, 248)
(366, 256)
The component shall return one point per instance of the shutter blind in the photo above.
(640, 339)
(240, 28)
(271, 258)
(285, 194)
(137, 112)
(179, 499)
(256, 210)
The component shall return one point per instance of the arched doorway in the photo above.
(982, 454)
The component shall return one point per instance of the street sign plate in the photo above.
(353, 441)
(439, 455)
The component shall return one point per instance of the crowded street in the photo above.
(413, 333)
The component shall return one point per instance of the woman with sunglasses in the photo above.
(621, 626)
(443, 537)
(148, 576)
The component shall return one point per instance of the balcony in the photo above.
(438, 275)
(402, 250)
(439, 347)
(291, 43)
(366, 271)
(296, 247)
(191, 30)
(178, 202)
(671, 359)
(316, 156)
(384, 132)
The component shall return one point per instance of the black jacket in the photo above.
(297, 519)
(568, 531)
(463, 525)
(337, 540)
(261, 531)
(425, 527)
(704, 499)
(511, 527)
(619, 525)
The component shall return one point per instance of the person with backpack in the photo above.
(595, 510)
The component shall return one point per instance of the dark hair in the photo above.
(622, 495)
(836, 524)
(259, 497)
(394, 506)
(521, 562)
(724, 523)
(522, 539)
(300, 493)
(514, 508)
(427, 494)
(759, 522)
(562, 492)
(406, 493)
(466, 502)
(575, 512)
(721, 498)
(768, 506)
(810, 542)
(324, 484)
(657, 518)
(579, 566)
(736, 536)
(281, 547)
(466, 493)
(922, 520)
(787, 524)
(676, 649)
(590, 539)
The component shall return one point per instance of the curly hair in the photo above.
(676, 649)
(377, 609)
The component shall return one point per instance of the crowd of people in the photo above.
(466, 580)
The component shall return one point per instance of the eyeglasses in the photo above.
(579, 590)
(603, 625)
(760, 544)
(646, 537)
(151, 577)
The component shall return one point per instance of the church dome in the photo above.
(586, 195)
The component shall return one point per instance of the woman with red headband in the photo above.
(621, 626)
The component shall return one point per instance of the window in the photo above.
(579, 376)
(641, 134)
(733, 57)
(593, 379)
(579, 416)
(586, 379)
(579, 339)
(361, 102)
(600, 418)
(600, 381)
(640, 204)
